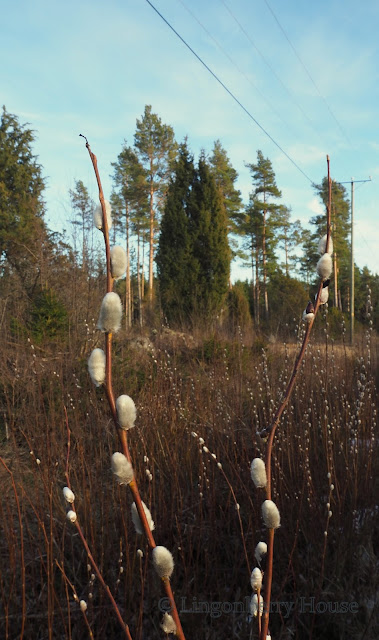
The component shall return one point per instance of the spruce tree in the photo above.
(209, 236)
(174, 253)
(22, 228)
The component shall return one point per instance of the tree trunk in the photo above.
(139, 280)
(128, 305)
(151, 255)
(257, 291)
(264, 264)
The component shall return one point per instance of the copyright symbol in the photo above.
(164, 604)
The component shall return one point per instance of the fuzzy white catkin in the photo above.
(168, 624)
(137, 521)
(322, 245)
(258, 472)
(307, 317)
(110, 313)
(118, 262)
(71, 516)
(260, 551)
(256, 579)
(96, 366)
(271, 515)
(83, 605)
(98, 215)
(324, 295)
(69, 495)
(126, 411)
(163, 562)
(121, 468)
(325, 266)
(254, 605)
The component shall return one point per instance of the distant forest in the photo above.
(182, 222)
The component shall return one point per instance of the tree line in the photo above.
(182, 217)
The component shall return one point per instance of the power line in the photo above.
(226, 54)
(308, 73)
(269, 65)
(230, 93)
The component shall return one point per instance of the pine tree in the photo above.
(289, 235)
(156, 147)
(131, 203)
(265, 190)
(174, 250)
(340, 218)
(83, 207)
(252, 229)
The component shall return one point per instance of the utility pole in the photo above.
(352, 182)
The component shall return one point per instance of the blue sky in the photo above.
(90, 67)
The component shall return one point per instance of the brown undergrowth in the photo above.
(224, 391)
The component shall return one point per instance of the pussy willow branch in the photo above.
(122, 434)
(92, 560)
(270, 431)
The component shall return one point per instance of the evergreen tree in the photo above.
(131, 204)
(265, 190)
(225, 176)
(156, 147)
(209, 237)
(193, 256)
(83, 207)
(174, 250)
(22, 227)
(310, 257)
(252, 229)
(289, 235)
(340, 218)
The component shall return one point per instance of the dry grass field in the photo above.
(190, 389)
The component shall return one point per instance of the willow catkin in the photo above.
(126, 411)
(121, 468)
(98, 215)
(118, 262)
(163, 562)
(258, 472)
(110, 313)
(325, 266)
(168, 624)
(137, 520)
(96, 366)
(270, 514)
(260, 551)
(322, 245)
(256, 579)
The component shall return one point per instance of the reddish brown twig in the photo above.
(270, 431)
(122, 434)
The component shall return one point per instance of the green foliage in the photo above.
(288, 299)
(238, 309)
(174, 258)
(193, 256)
(210, 252)
(225, 176)
(48, 316)
(21, 205)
